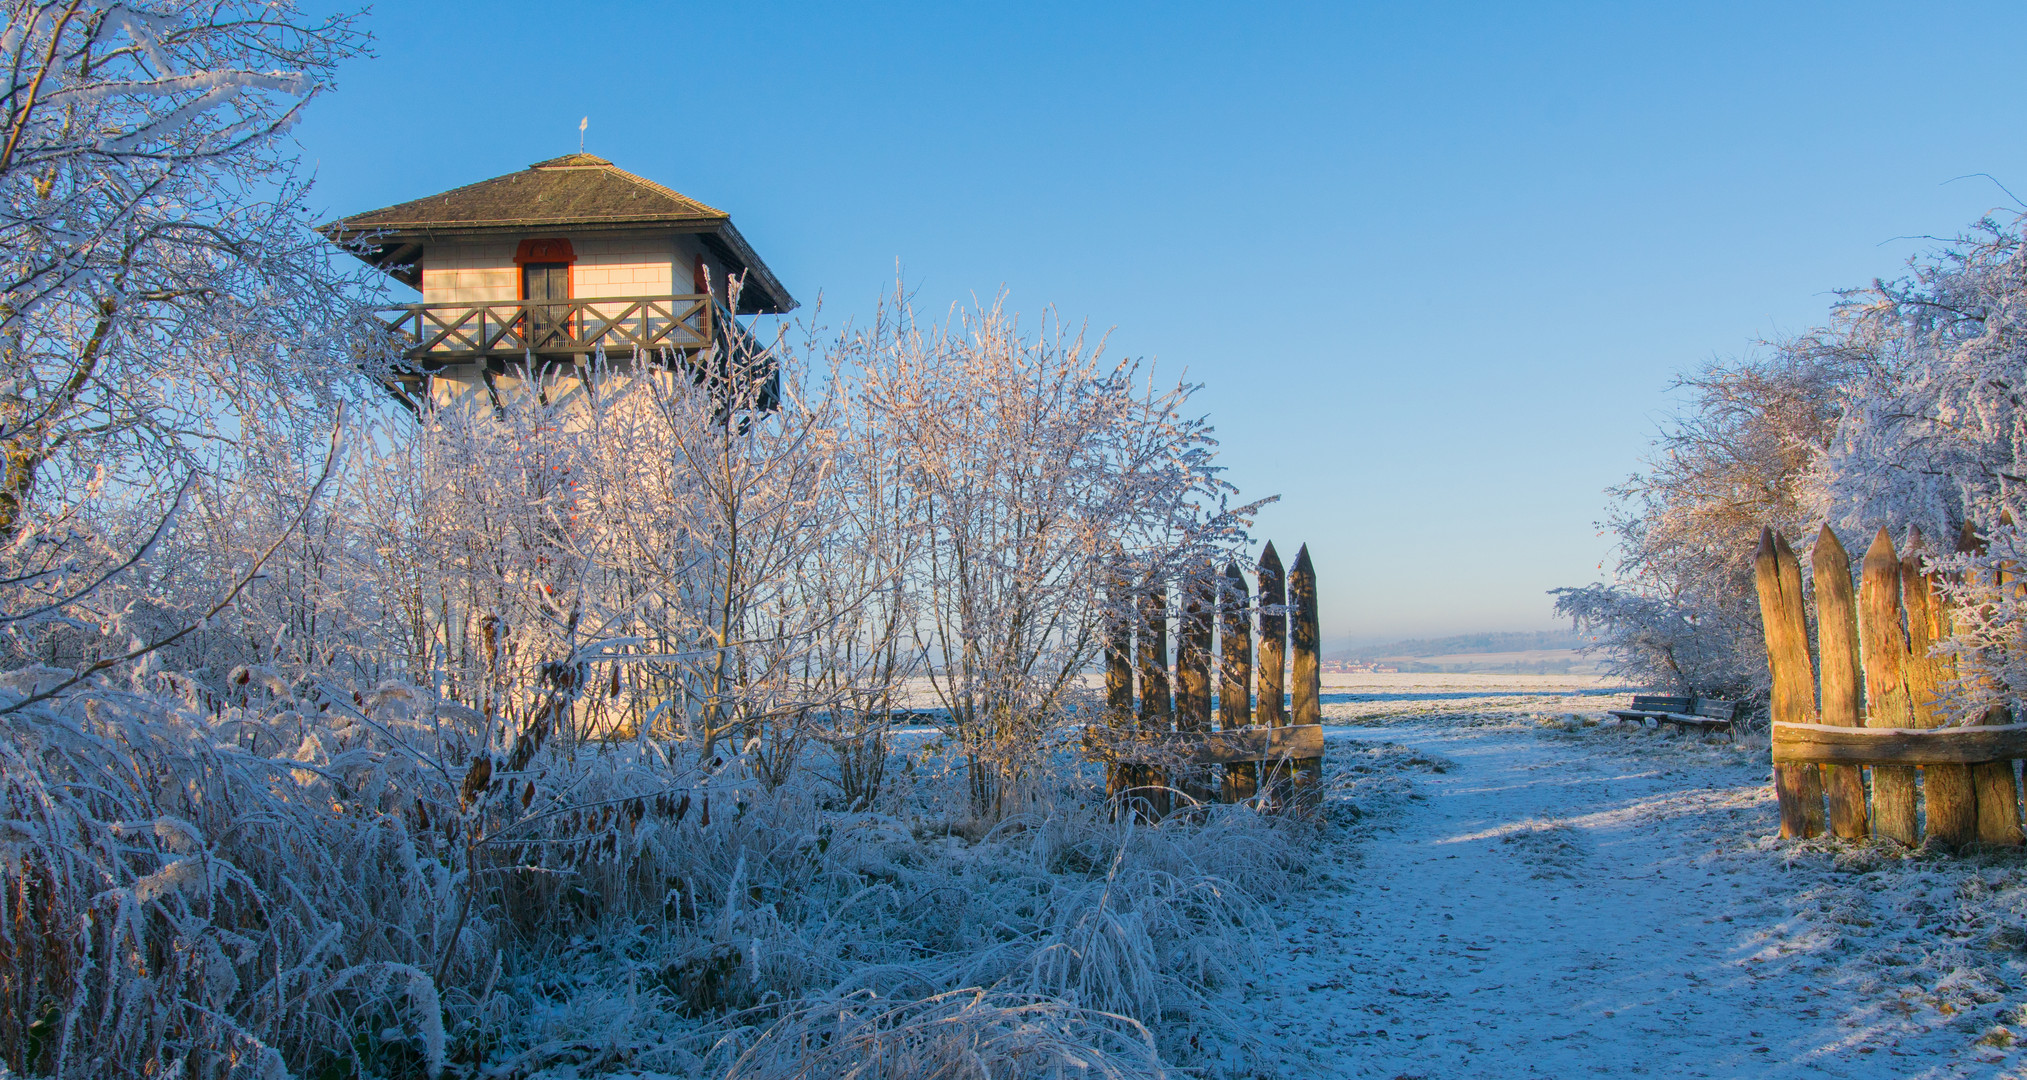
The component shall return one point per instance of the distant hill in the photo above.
(1525, 641)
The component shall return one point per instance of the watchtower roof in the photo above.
(575, 193)
(575, 189)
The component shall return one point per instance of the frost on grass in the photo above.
(1058, 940)
(292, 897)
(1367, 783)
(1549, 845)
(1925, 943)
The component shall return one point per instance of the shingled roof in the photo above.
(580, 192)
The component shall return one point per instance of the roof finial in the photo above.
(581, 125)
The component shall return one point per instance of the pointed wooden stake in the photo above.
(1272, 710)
(1157, 707)
(1883, 642)
(1235, 677)
(1119, 685)
(1837, 646)
(1778, 577)
(1305, 644)
(1947, 791)
(1997, 785)
(1193, 672)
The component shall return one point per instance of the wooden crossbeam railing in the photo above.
(1235, 746)
(1832, 744)
(430, 335)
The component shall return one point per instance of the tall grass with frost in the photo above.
(292, 889)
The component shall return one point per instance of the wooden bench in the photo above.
(1703, 714)
(1654, 707)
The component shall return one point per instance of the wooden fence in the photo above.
(1161, 745)
(1879, 718)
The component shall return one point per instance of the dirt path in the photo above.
(1599, 903)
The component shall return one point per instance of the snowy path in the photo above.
(1587, 904)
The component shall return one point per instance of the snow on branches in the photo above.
(1905, 411)
(162, 298)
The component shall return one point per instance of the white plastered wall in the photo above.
(624, 266)
(688, 247)
(464, 386)
(484, 271)
(475, 272)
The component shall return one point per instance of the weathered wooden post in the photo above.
(1996, 787)
(1119, 779)
(1157, 707)
(1837, 640)
(1235, 678)
(1193, 645)
(1888, 703)
(1306, 669)
(1270, 709)
(1951, 798)
(1778, 576)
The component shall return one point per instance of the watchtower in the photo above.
(539, 269)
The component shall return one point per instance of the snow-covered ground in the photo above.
(1507, 897)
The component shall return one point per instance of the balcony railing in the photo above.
(431, 335)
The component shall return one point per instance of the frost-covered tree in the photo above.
(1905, 410)
(1935, 426)
(162, 298)
(1683, 613)
(1034, 466)
(1934, 434)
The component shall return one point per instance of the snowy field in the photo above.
(1513, 892)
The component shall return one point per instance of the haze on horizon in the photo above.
(1436, 267)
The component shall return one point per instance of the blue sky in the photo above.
(1436, 264)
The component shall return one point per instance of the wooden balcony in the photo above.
(431, 336)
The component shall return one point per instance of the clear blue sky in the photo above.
(1436, 263)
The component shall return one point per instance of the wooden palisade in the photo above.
(1167, 738)
(1882, 705)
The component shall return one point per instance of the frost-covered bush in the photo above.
(190, 884)
(962, 1035)
(482, 746)
(1065, 934)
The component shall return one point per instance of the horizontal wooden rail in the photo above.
(440, 333)
(1825, 744)
(1236, 746)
